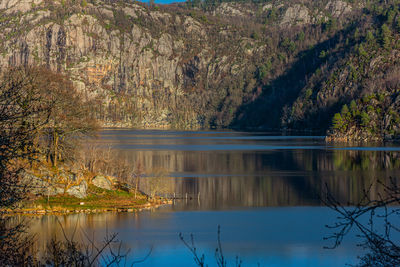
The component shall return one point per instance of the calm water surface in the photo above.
(263, 189)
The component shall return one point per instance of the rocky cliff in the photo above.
(183, 66)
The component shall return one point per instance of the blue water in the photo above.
(263, 189)
(290, 236)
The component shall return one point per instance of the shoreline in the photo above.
(59, 210)
(234, 129)
(329, 138)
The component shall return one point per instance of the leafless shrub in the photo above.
(71, 253)
(378, 233)
(200, 259)
(107, 161)
(157, 182)
(88, 252)
(16, 248)
(22, 115)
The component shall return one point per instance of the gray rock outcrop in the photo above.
(296, 15)
(102, 182)
(79, 191)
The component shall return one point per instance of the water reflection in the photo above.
(258, 187)
(223, 170)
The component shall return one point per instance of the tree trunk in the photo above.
(56, 139)
(137, 184)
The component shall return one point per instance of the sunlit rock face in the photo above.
(338, 8)
(102, 182)
(149, 67)
(297, 14)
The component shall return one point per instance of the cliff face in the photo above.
(107, 53)
(170, 66)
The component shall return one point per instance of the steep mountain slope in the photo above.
(202, 64)
(357, 88)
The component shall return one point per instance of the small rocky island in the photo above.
(73, 192)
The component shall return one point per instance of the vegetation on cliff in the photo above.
(361, 90)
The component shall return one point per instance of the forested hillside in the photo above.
(200, 64)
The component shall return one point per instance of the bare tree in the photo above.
(157, 182)
(375, 219)
(200, 259)
(70, 116)
(22, 115)
(16, 248)
(68, 252)
(138, 173)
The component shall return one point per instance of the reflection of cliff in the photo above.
(238, 178)
(227, 192)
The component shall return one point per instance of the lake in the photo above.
(263, 189)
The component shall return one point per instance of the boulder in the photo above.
(53, 190)
(102, 182)
(79, 191)
(34, 184)
(40, 186)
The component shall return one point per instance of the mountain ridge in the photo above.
(245, 65)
